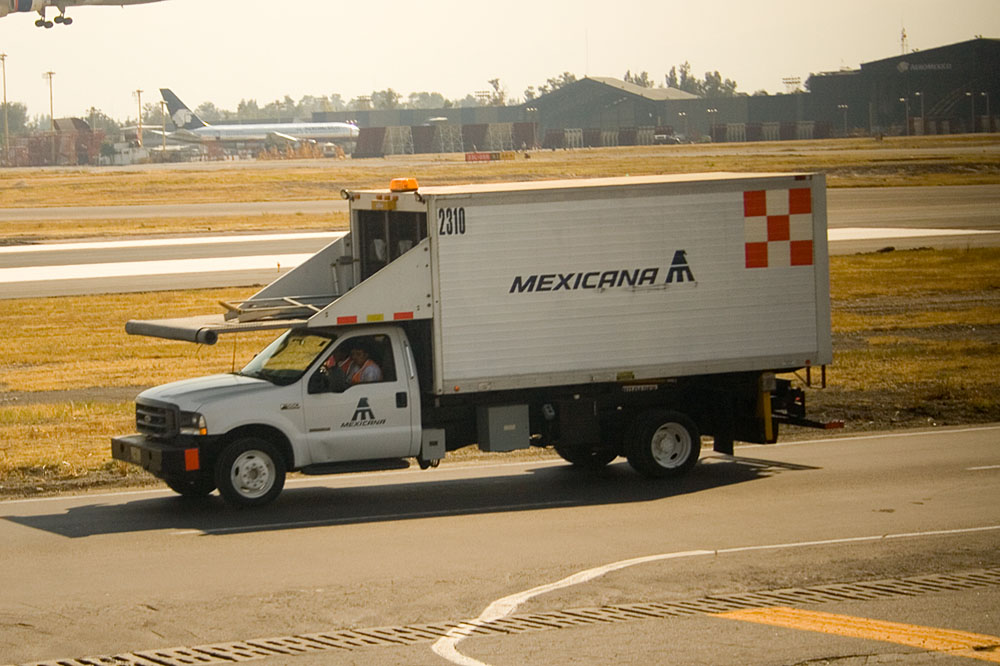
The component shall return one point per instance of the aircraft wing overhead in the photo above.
(16, 6)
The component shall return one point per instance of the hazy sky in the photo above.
(223, 51)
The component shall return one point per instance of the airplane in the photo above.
(193, 129)
(14, 6)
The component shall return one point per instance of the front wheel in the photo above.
(200, 486)
(250, 472)
(663, 443)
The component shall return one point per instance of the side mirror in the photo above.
(328, 380)
(337, 380)
(317, 382)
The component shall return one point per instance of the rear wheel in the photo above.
(586, 457)
(663, 443)
(250, 472)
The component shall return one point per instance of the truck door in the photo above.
(369, 417)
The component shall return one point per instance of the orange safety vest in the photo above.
(356, 377)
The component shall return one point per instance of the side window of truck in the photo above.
(357, 360)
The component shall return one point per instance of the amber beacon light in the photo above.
(403, 185)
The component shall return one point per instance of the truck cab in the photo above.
(303, 402)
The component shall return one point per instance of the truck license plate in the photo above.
(135, 453)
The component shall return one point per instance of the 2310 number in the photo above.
(451, 221)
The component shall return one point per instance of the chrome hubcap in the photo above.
(671, 445)
(252, 474)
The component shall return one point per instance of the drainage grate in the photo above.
(361, 639)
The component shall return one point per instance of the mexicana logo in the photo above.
(364, 415)
(679, 271)
(679, 268)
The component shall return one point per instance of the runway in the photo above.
(860, 220)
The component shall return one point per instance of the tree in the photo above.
(715, 86)
(469, 101)
(499, 96)
(363, 103)
(426, 100)
(641, 80)
(247, 109)
(17, 117)
(386, 99)
(688, 83)
(335, 102)
(550, 85)
(152, 114)
(208, 111)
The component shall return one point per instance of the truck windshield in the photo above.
(286, 359)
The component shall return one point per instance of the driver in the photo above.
(362, 369)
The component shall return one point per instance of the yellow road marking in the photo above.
(955, 643)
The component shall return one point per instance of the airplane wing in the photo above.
(283, 137)
(184, 135)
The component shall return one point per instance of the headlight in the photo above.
(191, 423)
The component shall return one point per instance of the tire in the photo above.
(201, 486)
(591, 459)
(250, 472)
(663, 444)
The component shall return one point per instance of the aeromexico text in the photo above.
(679, 271)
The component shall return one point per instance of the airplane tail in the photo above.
(183, 117)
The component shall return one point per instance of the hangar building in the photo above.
(943, 90)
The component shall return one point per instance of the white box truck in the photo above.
(605, 317)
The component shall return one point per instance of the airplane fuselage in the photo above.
(267, 131)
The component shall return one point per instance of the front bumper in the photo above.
(161, 459)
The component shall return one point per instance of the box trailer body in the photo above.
(594, 315)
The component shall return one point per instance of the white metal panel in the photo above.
(399, 292)
(514, 307)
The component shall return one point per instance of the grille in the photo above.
(155, 420)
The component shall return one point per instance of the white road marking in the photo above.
(158, 267)
(259, 262)
(167, 242)
(877, 233)
(447, 646)
(976, 469)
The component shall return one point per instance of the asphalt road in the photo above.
(153, 576)
(857, 218)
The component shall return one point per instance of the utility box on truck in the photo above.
(629, 315)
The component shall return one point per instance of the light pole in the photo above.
(684, 118)
(163, 114)
(138, 95)
(989, 121)
(711, 121)
(843, 107)
(972, 110)
(52, 115)
(923, 119)
(6, 127)
(906, 106)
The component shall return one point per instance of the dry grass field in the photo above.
(936, 160)
(916, 333)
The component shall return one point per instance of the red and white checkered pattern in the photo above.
(778, 228)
